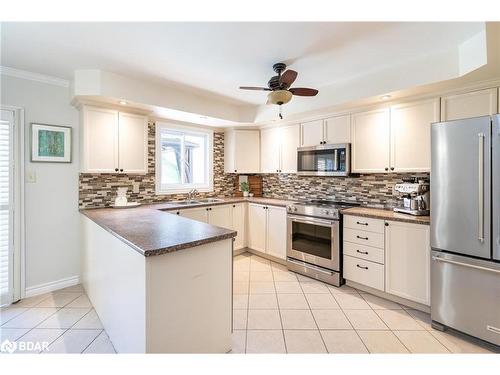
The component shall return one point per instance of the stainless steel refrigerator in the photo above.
(465, 226)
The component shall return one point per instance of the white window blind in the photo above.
(6, 195)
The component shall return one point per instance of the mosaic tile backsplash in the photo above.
(99, 190)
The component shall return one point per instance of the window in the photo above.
(183, 159)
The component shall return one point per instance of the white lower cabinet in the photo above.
(407, 261)
(239, 220)
(198, 214)
(220, 216)
(267, 229)
(390, 256)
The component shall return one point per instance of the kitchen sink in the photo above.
(197, 201)
(209, 200)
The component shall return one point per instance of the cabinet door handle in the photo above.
(177, 213)
(362, 252)
(121, 170)
(392, 168)
(360, 223)
(362, 238)
(364, 268)
(236, 170)
(234, 205)
(386, 168)
(116, 169)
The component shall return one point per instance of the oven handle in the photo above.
(310, 221)
(307, 265)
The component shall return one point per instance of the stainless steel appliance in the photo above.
(415, 194)
(324, 160)
(314, 239)
(465, 226)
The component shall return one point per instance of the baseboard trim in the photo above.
(51, 286)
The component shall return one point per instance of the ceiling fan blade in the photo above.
(255, 88)
(303, 91)
(288, 78)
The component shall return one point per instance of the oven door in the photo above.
(315, 241)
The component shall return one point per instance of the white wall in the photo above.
(51, 203)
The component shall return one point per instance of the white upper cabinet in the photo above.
(132, 143)
(370, 133)
(290, 138)
(471, 104)
(242, 151)
(99, 140)
(411, 135)
(311, 133)
(270, 144)
(337, 129)
(113, 142)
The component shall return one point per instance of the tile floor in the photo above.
(64, 320)
(275, 311)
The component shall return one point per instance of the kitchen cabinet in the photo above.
(113, 142)
(267, 229)
(279, 149)
(198, 214)
(239, 224)
(329, 131)
(470, 104)
(411, 135)
(407, 261)
(370, 135)
(242, 151)
(220, 216)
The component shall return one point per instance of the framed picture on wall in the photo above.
(50, 143)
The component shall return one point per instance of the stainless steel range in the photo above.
(314, 239)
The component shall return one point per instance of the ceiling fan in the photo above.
(279, 87)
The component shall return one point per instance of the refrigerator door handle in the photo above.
(439, 259)
(480, 221)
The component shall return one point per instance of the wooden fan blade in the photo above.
(255, 88)
(288, 78)
(303, 91)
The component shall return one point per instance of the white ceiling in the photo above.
(216, 58)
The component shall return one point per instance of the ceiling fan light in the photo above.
(279, 97)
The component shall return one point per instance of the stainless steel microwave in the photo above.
(324, 160)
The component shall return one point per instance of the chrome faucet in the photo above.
(192, 194)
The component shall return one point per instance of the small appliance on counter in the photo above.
(415, 193)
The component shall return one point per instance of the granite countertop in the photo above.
(151, 231)
(386, 214)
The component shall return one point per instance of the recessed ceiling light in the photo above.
(385, 97)
(122, 102)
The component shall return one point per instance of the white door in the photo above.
(257, 215)
(6, 207)
(312, 133)
(276, 232)
(407, 261)
(100, 140)
(270, 141)
(290, 140)
(471, 104)
(338, 129)
(370, 141)
(411, 135)
(198, 214)
(133, 143)
(220, 216)
(239, 214)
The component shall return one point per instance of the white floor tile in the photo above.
(264, 319)
(284, 276)
(422, 318)
(238, 341)
(261, 276)
(73, 341)
(64, 318)
(38, 339)
(343, 342)
(288, 287)
(30, 318)
(314, 287)
(344, 289)
(297, 319)
(365, 320)
(420, 342)
(262, 287)
(12, 334)
(8, 313)
(240, 301)
(322, 301)
(331, 319)
(81, 302)
(268, 341)
(456, 344)
(58, 299)
(382, 342)
(262, 301)
(240, 287)
(241, 276)
(101, 345)
(32, 301)
(399, 320)
(292, 301)
(307, 341)
(240, 319)
(351, 301)
(89, 321)
(377, 303)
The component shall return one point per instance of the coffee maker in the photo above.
(415, 194)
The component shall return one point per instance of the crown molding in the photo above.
(18, 73)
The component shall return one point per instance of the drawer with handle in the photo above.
(364, 238)
(364, 223)
(373, 254)
(364, 272)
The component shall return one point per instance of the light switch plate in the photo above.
(30, 176)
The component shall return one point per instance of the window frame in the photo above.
(206, 187)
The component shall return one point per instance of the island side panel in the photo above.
(189, 300)
(114, 277)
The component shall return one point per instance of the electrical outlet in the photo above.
(30, 176)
